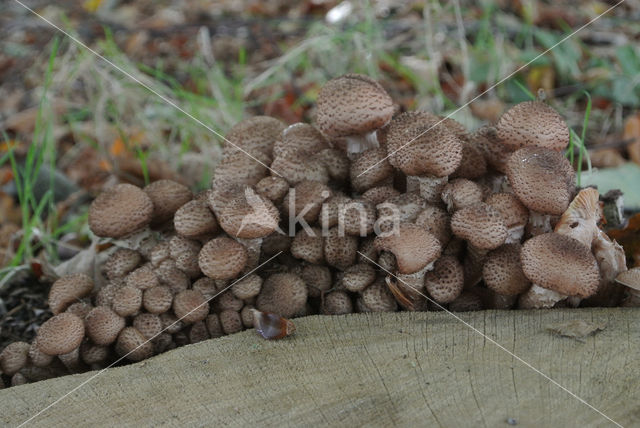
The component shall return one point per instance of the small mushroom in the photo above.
(413, 247)
(190, 306)
(167, 196)
(67, 290)
(282, 293)
(132, 345)
(14, 357)
(121, 262)
(103, 325)
(120, 211)
(60, 334)
(532, 123)
(502, 271)
(222, 258)
(194, 219)
(561, 265)
(446, 281)
(353, 106)
(336, 303)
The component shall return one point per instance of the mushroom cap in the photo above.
(184, 253)
(306, 199)
(561, 264)
(495, 153)
(542, 179)
(358, 277)
(222, 258)
(14, 357)
(256, 135)
(284, 294)
(437, 221)
(195, 219)
(249, 215)
(144, 277)
(377, 195)
(413, 246)
(481, 225)
(67, 290)
(473, 164)
(127, 301)
(357, 217)
(461, 193)
(337, 303)
(119, 211)
(336, 163)
(273, 188)
(149, 325)
(247, 287)
(340, 251)
(157, 300)
(352, 104)
(167, 196)
(294, 154)
(231, 321)
(419, 147)
(317, 278)
(630, 278)
(121, 262)
(190, 306)
(308, 245)
(378, 298)
(446, 281)
(369, 169)
(533, 123)
(60, 334)
(513, 212)
(133, 345)
(227, 301)
(103, 325)
(502, 271)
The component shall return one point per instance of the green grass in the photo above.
(33, 210)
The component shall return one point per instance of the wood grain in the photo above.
(406, 369)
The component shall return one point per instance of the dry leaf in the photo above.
(576, 329)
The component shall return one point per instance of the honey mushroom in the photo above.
(364, 210)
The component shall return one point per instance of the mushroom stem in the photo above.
(514, 234)
(430, 187)
(357, 144)
(538, 298)
(539, 223)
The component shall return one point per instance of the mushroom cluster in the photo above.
(369, 209)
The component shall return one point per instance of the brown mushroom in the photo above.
(222, 258)
(67, 290)
(167, 196)
(284, 294)
(60, 334)
(353, 106)
(120, 211)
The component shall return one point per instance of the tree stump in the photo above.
(407, 369)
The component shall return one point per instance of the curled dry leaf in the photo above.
(272, 326)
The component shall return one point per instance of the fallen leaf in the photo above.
(576, 329)
(632, 131)
(625, 177)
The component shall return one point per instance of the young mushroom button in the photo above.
(67, 290)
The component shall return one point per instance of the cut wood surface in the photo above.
(408, 369)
